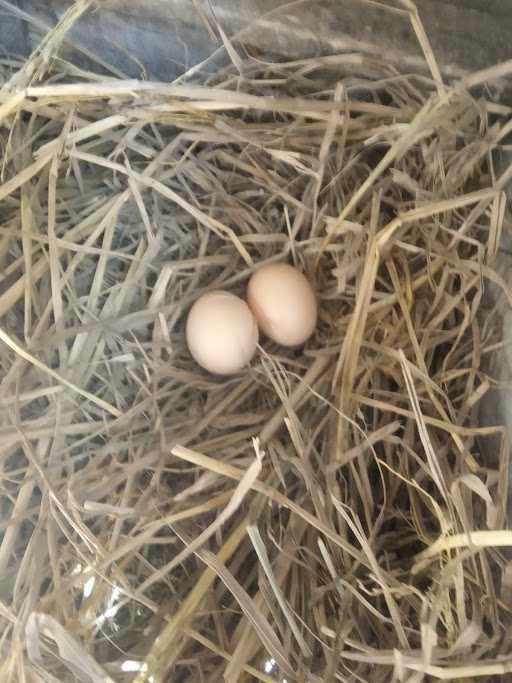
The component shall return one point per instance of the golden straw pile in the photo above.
(333, 513)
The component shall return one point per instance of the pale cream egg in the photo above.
(283, 303)
(222, 334)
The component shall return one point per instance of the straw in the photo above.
(336, 512)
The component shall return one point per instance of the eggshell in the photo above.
(283, 303)
(221, 332)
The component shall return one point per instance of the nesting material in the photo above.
(335, 512)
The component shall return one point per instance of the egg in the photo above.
(222, 334)
(283, 303)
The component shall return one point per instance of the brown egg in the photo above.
(283, 303)
(222, 333)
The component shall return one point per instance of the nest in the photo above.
(333, 513)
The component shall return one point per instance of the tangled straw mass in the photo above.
(332, 513)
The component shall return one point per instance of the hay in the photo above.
(335, 513)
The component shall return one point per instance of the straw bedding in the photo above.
(333, 513)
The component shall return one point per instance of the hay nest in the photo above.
(333, 513)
